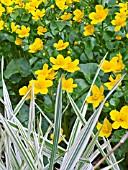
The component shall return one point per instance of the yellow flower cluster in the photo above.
(120, 120)
(120, 18)
(114, 65)
(64, 4)
(65, 63)
(45, 76)
(36, 46)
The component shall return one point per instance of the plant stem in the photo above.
(120, 143)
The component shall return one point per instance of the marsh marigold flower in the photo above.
(38, 14)
(44, 72)
(1, 24)
(18, 41)
(61, 45)
(78, 15)
(23, 32)
(107, 66)
(59, 62)
(117, 63)
(14, 27)
(112, 82)
(89, 30)
(24, 90)
(68, 85)
(120, 118)
(61, 4)
(105, 128)
(66, 16)
(41, 30)
(51, 74)
(7, 2)
(118, 23)
(61, 136)
(2, 9)
(98, 16)
(36, 46)
(97, 96)
(72, 66)
(41, 85)
(118, 37)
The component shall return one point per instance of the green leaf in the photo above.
(117, 135)
(9, 37)
(25, 17)
(57, 123)
(89, 71)
(89, 44)
(17, 66)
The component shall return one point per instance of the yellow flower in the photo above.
(9, 10)
(69, 2)
(29, 7)
(51, 74)
(72, 66)
(118, 37)
(68, 85)
(98, 16)
(120, 118)
(44, 72)
(36, 46)
(36, 15)
(60, 62)
(89, 30)
(1, 24)
(61, 45)
(61, 4)
(106, 104)
(18, 41)
(127, 35)
(2, 9)
(52, 6)
(13, 27)
(78, 15)
(117, 63)
(69, 52)
(41, 30)
(41, 85)
(123, 6)
(7, 2)
(112, 82)
(107, 66)
(61, 136)
(24, 32)
(66, 16)
(118, 22)
(105, 129)
(97, 96)
(76, 43)
(24, 90)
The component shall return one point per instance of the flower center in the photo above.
(98, 16)
(95, 96)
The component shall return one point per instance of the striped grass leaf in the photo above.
(31, 121)
(20, 104)
(111, 157)
(111, 166)
(57, 123)
(76, 150)
(78, 124)
(7, 102)
(79, 117)
(89, 150)
(2, 166)
(15, 138)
